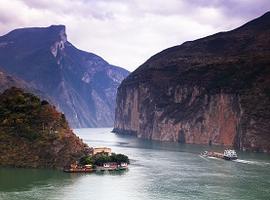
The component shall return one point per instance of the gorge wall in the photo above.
(215, 90)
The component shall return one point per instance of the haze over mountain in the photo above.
(80, 84)
(214, 90)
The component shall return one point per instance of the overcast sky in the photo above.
(127, 32)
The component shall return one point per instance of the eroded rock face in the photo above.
(215, 120)
(213, 90)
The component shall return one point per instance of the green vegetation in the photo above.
(34, 134)
(23, 114)
(101, 158)
(119, 158)
(86, 160)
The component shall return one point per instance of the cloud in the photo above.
(127, 32)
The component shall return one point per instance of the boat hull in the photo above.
(78, 170)
(229, 158)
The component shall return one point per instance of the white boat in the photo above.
(229, 154)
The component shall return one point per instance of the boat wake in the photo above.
(209, 157)
(204, 158)
(215, 158)
(252, 162)
(249, 162)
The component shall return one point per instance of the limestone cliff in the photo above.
(214, 90)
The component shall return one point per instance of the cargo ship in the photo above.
(228, 154)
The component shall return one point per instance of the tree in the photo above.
(119, 158)
(101, 158)
(86, 160)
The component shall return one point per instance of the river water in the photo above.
(165, 171)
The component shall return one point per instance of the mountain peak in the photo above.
(60, 30)
(52, 33)
(57, 27)
(53, 37)
(260, 23)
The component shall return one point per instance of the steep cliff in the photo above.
(215, 90)
(34, 134)
(80, 84)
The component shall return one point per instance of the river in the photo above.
(158, 171)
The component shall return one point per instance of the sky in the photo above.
(128, 32)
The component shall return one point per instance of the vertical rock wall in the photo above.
(216, 121)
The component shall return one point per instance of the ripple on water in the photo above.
(158, 171)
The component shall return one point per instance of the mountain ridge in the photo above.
(80, 84)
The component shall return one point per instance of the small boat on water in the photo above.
(74, 168)
(228, 154)
(110, 166)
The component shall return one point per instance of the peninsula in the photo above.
(34, 134)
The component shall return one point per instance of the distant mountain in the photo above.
(215, 90)
(80, 84)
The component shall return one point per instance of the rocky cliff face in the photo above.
(34, 134)
(214, 90)
(80, 84)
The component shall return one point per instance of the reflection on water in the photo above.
(157, 171)
(25, 179)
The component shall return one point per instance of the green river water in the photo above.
(167, 171)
